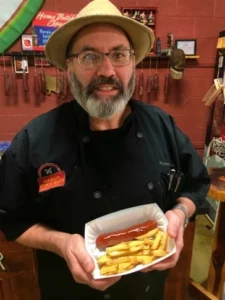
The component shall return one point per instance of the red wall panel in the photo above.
(202, 19)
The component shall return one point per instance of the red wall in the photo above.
(199, 19)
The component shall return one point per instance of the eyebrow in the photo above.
(90, 48)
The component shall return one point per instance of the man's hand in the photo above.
(175, 230)
(81, 264)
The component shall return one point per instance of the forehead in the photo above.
(99, 35)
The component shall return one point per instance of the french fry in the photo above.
(125, 266)
(148, 241)
(144, 260)
(136, 249)
(139, 253)
(146, 252)
(118, 260)
(118, 247)
(156, 241)
(148, 234)
(146, 247)
(119, 253)
(158, 253)
(102, 260)
(108, 270)
(163, 242)
(135, 243)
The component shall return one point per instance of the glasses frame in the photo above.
(130, 51)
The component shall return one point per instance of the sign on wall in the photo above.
(15, 16)
(44, 24)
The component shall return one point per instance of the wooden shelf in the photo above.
(192, 56)
(161, 57)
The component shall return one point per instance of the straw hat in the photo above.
(98, 11)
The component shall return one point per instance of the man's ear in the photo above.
(69, 65)
(67, 62)
(134, 60)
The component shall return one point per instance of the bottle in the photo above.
(158, 47)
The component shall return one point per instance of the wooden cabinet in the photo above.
(19, 281)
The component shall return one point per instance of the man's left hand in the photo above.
(175, 230)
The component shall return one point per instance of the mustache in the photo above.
(95, 83)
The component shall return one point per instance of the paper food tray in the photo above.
(120, 220)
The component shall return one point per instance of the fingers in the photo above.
(81, 265)
(175, 230)
(180, 239)
(77, 248)
(82, 277)
(168, 263)
(84, 259)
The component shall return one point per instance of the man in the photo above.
(100, 153)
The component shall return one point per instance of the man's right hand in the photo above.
(81, 264)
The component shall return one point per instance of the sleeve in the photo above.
(196, 180)
(16, 214)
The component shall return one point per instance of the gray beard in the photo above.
(101, 107)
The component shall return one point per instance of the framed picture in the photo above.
(27, 43)
(21, 65)
(41, 62)
(188, 46)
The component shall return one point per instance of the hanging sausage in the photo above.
(141, 84)
(150, 78)
(7, 84)
(36, 85)
(167, 81)
(156, 78)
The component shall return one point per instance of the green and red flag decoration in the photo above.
(15, 17)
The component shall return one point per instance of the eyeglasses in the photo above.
(90, 59)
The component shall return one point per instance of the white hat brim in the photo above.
(141, 36)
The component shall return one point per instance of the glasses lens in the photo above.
(120, 57)
(89, 59)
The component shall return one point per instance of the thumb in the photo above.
(173, 224)
(82, 256)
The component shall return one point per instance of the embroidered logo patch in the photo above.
(50, 176)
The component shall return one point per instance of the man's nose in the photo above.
(106, 68)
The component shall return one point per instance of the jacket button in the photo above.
(150, 186)
(86, 139)
(107, 296)
(140, 135)
(148, 287)
(97, 195)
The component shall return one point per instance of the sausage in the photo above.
(124, 235)
(25, 82)
(141, 84)
(58, 86)
(156, 82)
(149, 84)
(43, 82)
(36, 85)
(7, 83)
(14, 85)
(167, 84)
(37, 89)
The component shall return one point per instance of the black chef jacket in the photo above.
(105, 171)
